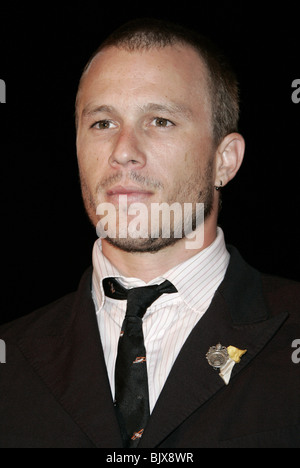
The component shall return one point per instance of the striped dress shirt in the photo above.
(170, 319)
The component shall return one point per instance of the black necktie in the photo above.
(131, 381)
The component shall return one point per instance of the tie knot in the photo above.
(138, 299)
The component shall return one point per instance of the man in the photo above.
(156, 116)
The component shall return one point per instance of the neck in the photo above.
(147, 266)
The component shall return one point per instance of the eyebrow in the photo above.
(89, 111)
(169, 108)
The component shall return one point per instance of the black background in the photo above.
(47, 240)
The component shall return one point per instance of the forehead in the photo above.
(174, 72)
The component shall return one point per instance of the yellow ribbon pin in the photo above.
(235, 353)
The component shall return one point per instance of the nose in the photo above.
(127, 150)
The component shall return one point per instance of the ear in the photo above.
(230, 155)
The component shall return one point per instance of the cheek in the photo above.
(90, 160)
(199, 156)
(190, 172)
(187, 161)
(168, 158)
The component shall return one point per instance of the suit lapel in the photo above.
(238, 316)
(72, 366)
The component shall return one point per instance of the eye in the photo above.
(104, 125)
(162, 123)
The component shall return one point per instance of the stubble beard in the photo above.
(187, 192)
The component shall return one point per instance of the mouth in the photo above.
(133, 193)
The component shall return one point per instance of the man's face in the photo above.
(145, 131)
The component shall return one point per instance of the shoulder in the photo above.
(282, 295)
(279, 294)
(44, 317)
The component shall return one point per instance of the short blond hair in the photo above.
(143, 34)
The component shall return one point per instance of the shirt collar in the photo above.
(196, 279)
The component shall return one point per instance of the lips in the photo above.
(120, 190)
(129, 190)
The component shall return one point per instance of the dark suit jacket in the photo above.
(54, 389)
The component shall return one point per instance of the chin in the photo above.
(141, 245)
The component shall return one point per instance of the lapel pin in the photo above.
(224, 359)
(236, 354)
(217, 356)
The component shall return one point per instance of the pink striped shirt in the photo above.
(169, 321)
